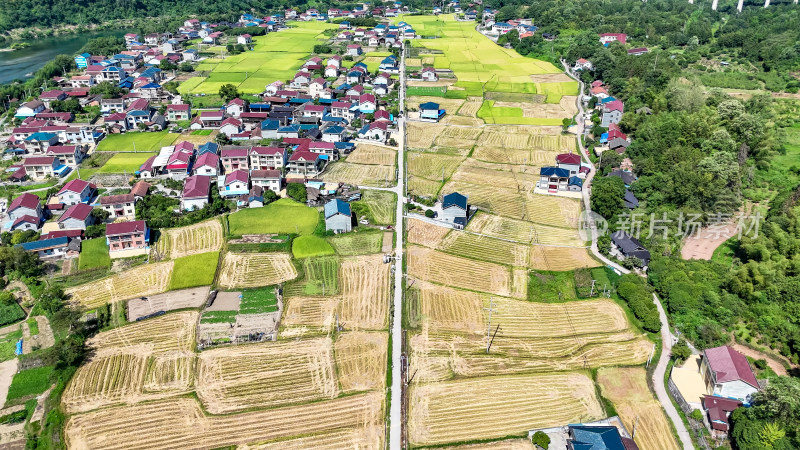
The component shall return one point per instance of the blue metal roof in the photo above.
(40, 136)
(575, 181)
(454, 199)
(596, 438)
(151, 86)
(344, 145)
(260, 106)
(336, 206)
(554, 171)
(44, 244)
(429, 105)
(270, 124)
(208, 147)
(334, 129)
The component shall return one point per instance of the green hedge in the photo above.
(638, 296)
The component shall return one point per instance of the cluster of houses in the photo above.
(608, 38)
(383, 34)
(524, 27)
(71, 211)
(391, 9)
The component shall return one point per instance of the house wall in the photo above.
(72, 224)
(735, 389)
(192, 204)
(22, 211)
(273, 185)
(610, 117)
(339, 223)
(70, 198)
(206, 170)
(121, 210)
(126, 242)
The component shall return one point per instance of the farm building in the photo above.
(455, 210)
(727, 373)
(629, 247)
(128, 238)
(430, 111)
(338, 216)
(429, 74)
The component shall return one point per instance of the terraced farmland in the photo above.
(140, 281)
(449, 270)
(198, 238)
(243, 270)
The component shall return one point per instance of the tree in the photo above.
(228, 92)
(166, 64)
(100, 214)
(770, 434)
(429, 213)
(222, 139)
(541, 439)
(106, 89)
(186, 66)
(69, 105)
(297, 191)
(697, 414)
(51, 299)
(681, 352)
(607, 195)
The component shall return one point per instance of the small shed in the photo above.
(338, 216)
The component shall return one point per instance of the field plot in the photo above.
(140, 281)
(349, 244)
(142, 361)
(470, 107)
(181, 423)
(275, 56)
(198, 238)
(364, 283)
(168, 301)
(476, 60)
(381, 206)
(508, 444)
(432, 166)
(423, 187)
(360, 174)
(485, 248)
(445, 308)
(321, 277)
(361, 360)
(279, 217)
(438, 267)
(627, 389)
(424, 233)
(522, 231)
(255, 269)
(561, 258)
(372, 154)
(137, 142)
(422, 135)
(266, 375)
(126, 163)
(494, 407)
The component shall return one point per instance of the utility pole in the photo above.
(591, 294)
(489, 324)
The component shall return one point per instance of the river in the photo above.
(17, 63)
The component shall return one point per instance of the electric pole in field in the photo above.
(489, 324)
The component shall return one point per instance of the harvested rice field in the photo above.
(243, 270)
(372, 154)
(361, 174)
(140, 281)
(202, 237)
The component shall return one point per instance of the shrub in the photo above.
(541, 439)
(637, 295)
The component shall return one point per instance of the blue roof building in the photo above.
(208, 147)
(595, 438)
(338, 216)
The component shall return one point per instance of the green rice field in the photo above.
(125, 163)
(474, 58)
(504, 115)
(137, 141)
(275, 56)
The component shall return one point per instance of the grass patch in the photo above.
(307, 246)
(378, 206)
(359, 243)
(201, 132)
(219, 317)
(321, 277)
(94, 254)
(8, 344)
(258, 301)
(33, 326)
(136, 141)
(10, 313)
(551, 287)
(29, 383)
(125, 163)
(280, 217)
(426, 91)
(194, 270)
(725, 253)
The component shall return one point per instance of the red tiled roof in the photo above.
(134, 226)
(24, 219)
(730, 365)
(77, 185)
(26, 201)
(568, 158)
(615, 105)
(260, 174)
(79, 211)
(140, 188)
(304, 155)
(207, 159)
(39, 161)
(234, 153)
(718, 410)
(114, 199)
(61, 233)
(237, 175)
(178, 108)
(267, 150)
(196, 186)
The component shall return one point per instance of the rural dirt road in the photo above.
(658, 379)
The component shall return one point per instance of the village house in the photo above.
(235, 107)
(570, 162)
(629, 247)
(267, 179)
(727, 373)
(70, 155)
(119, 206)
(76, 217)
(28, 207)
(132, 238)
(196, 192)
(53, 248)
(111, 105)
(354, 49)
(338, 217)
(429, 74)
(430, 111)
(334, 133)
(234, 158)
(206, 164)
(267, 158)
(210, 119)
(553, 179)
(612, 113)
(48, 97)
(304, 163)
(230, 127)
(235, 183)
(607, 38)
(39, 142)
(375, 131)
(583, 64)
(455, 210)
(718, 411)
(29, 109)
(41, 167)
(178, 112)
(76, 191)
